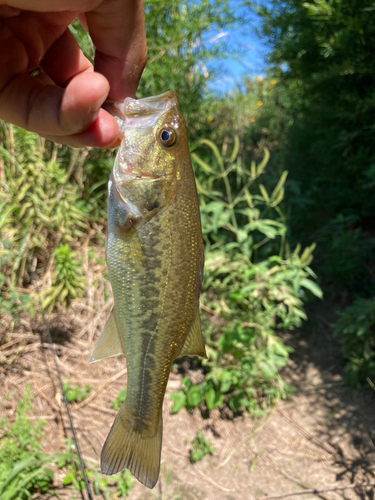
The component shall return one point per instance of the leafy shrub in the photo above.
(356, 326)
(351, 248)
(23, 468)
(76, 393)
(253, 285)
(39, 208)
(201, 446)
(12, 302)
(321, 56)
(116, 403)
(68, 281)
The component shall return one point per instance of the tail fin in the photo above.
(135, 446)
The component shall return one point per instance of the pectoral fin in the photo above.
(108, 344)
(194, 343)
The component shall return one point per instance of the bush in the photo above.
(47, 204)
(356, 326)
(201, 446)
(321, 56)
(23, 468)
(253, 287)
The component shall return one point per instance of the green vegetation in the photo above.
(201, 446)
(164, 485)
(322, 58)
(253, 283)
(116, 403)
(76, 393)
(356, 326)
(26, 470)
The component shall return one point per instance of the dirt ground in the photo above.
(321, 437)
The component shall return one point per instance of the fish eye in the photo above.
(167, 136)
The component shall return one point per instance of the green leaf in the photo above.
(194, 397)
(69, 478)
(210, 398)
(268, 369)
(179, 399)
(313, 287)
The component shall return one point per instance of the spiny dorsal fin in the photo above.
(194, 343)
(108, 344)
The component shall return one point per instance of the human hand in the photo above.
(63, 102)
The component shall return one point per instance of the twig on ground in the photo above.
(8, 344)
(42, 417)
(316, 491)
(99, 409)
(94, 321)
(320, 386)
(328, 448)
(300, 483)
(255, 432)
(106, 384)
(226, 490)
(371, 383)
(46, 398)
(207, 309)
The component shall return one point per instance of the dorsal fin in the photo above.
(194, 343)
(108, 344)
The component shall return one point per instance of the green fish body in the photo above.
(155, 266)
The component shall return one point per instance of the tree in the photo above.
(322, 52)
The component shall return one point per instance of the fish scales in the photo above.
(155, 266)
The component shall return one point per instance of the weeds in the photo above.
(356, 326)
(23, 468)
(76, 393)
(68, 281)
(201, 446)
(253, 283)
(116, 403)
(164, 484)
(41, 214)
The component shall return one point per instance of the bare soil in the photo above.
(322, 436)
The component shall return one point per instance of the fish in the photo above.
(155, 260)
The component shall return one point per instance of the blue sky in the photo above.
(252, 62)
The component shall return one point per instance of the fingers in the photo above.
(70, 115)
(30, 39)
(81, 102)
(103, 133)
(6, 11)
(65, 60)
(53, 5)
(118, 32)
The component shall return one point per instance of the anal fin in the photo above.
(194, 343)
(108, 344)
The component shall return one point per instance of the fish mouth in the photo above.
(148, 106)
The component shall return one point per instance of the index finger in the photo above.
(117, 30)
(53, 5)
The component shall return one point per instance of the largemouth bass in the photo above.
(155, 262)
